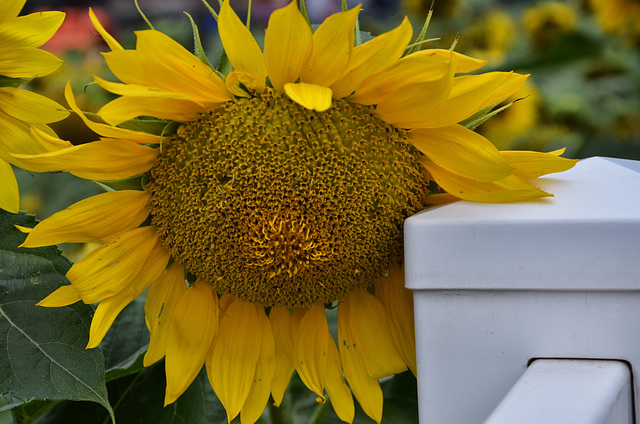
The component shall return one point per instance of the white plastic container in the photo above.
(497, 285)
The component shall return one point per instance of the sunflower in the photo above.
(548, 21)
(618, 17)
(20, 61)
(281, 193)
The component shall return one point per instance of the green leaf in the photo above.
(139, 399)
(12, 82)
(126, 342)
(131, 183)
(161, 127)
(43, 354)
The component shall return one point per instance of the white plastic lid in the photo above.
(587, 237)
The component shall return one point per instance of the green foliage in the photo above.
(43, 354)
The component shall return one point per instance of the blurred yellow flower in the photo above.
(490, 36)
(547, 21)
(283, 192)
(619, 17)
(20, 61)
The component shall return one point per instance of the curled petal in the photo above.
(310, 96)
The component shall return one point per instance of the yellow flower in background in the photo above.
(547, 21)
(283, 192)
(510, 126)
(619, 17)
(489, 36)
(20, 61)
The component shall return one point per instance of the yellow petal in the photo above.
(111, 42)
(240, 46)
(461, 151)
(406, 107)
(111, 267)
(93, 220)
(370, 330)
(108, 130)
(63, 296)
(332, 46)
(31, 30)
(424, 66)
(9, 197)
(236, 78)
(365, 388)
(310, 96)
(161, 301)
(265, 368)
(337, 389)
(191, 332)
(287, 45)
(106, 312)
(16, 137)
(10, 9)
(464, 63)
(469, 94)
(510, 189)
(173, 67)
(398, 304)
(109, 308)
(236, 350)
(30, 107)
(281, 323)
(176, 69)
(310, 351)
(531, 165)
(126, 108)
(27, 62)
(372, 56)
(98, 160)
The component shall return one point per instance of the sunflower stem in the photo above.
(280, 414)
(320, 412)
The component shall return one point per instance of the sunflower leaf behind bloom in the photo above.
(47, 360)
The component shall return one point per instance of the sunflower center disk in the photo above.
(283, 206)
